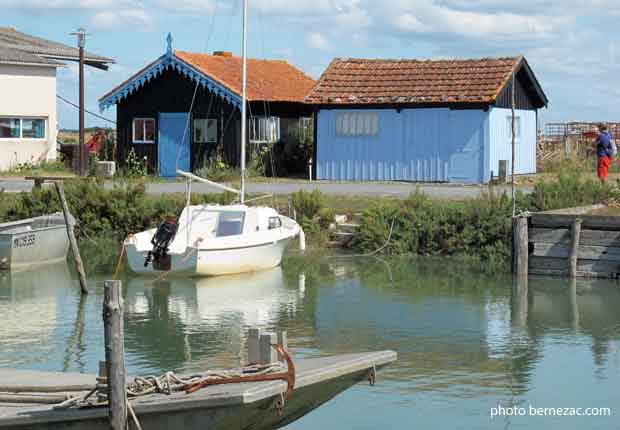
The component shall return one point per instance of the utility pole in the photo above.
(82, 165)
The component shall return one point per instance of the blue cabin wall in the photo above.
(501, 141)
(430, 145)
(425, 145)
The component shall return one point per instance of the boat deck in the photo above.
(316, 382)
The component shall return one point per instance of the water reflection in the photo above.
(195, 320)
(466, 340)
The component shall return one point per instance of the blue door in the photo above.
(172, 152)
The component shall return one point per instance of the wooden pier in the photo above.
(47, 400)
(567, 242)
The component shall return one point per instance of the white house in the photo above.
(28, 121)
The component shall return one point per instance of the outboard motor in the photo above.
(161, 240)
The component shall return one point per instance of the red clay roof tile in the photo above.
(268, 80)
(361, 81)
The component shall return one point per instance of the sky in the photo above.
(573, 46)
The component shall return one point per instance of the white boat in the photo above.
(210, 240)
(216, 240)
(33, 241)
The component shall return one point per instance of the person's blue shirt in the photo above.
(603, 145)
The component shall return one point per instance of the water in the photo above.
(466, 341)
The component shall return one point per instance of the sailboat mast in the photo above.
(243, 96)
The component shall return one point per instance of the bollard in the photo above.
(115, 354)
(253, 346)
(268, 355)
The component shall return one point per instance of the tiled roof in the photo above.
(15, 56)
(22, 44)
(360, 81)
(267, 80)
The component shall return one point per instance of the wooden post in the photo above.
(74, 246)
(574, 248)
(520, 246)
(283, 341)
(268, 355)
(253, 346)
(115, 354)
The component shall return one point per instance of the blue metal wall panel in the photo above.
(430, 145)
(501, 141)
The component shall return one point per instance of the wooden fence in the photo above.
(568, 242)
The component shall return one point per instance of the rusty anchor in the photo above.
(288, 376)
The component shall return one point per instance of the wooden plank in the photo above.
(585, 252)
(588, 237)
(595, 222)
(585, 267)
(579, 210)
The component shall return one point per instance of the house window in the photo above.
(306, 128)
(357, 124)
(517, 128)
(205, 130)
(143, 130)
(264, 129)
(22, 128)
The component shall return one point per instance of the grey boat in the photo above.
(248, 405)
(33, 241)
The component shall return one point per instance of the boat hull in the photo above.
(215, 262)
(237, 406)
(23, 245)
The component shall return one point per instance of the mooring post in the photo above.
(520, 246)
(268, 355)
(115, 354)
(79, 266)
(574, 248)
(253, 346)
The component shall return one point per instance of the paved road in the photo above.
(393, 189)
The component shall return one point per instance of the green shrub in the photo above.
(569, 189)
(215, 168)
(100, 212)
(479, 228)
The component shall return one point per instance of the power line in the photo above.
(85, 110)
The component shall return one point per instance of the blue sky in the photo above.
(572, 45)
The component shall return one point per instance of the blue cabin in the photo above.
(427, 121)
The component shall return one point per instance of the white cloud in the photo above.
(317, 41)
(137, 18)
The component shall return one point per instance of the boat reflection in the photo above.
(204, 319)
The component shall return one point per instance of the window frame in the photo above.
(21, 127)
(133, 130)
(206, 141)
(351, 124)
(254, 125)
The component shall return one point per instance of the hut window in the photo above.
(205, 130)
(264, 129)
(143, 130)
(517, 128)
(357, 124)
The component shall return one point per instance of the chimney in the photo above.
(222, 54)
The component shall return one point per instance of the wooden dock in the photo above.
(567, 242)
(250, 405)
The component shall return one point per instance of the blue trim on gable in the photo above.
(163, 63)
